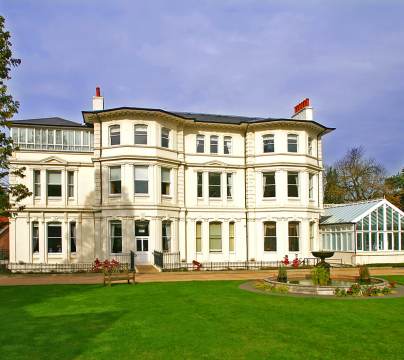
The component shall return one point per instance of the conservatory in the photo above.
(364, 232)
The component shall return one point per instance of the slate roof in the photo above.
(344, 214)
(209, 118)
(49, 121)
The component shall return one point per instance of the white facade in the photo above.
(154, 188)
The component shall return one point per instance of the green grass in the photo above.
(193, 320)
(398, 278)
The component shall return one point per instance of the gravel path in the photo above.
(89, 278)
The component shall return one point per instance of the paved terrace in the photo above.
(90, 278)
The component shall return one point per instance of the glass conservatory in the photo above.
(367, 227)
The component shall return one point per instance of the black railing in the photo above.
(165, 259)
(158, 259)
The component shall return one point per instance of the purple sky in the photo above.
(232, 57)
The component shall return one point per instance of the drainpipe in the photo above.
(245, 190)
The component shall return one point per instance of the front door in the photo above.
(142, 242)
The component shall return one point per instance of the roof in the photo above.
(209, 118)
(347, 213)
(49, 121)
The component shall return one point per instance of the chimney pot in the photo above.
(303, 111)
(97, 91)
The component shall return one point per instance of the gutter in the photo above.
(245, 191)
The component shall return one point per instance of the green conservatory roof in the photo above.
(347, 213)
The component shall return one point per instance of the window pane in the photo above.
(270, 236)
(198, 238)
(72, 234)
(293, 184)
(200, 143)
(35, 237)
(141, 134)
(293, 236)
(229, 179)
(231, 236)
(115, 173)
(214, 185)
(380, 218)
(200, 184)
(268, 143)
(165, 137)
(141, 228)
(114, 135)
(215, 236)
(54, 238)
(116, 237)
(54, 183)
(227, 145)
(214, 141)
(269, 184)
(292, 143)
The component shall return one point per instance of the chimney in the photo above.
(98, 100)
(303, 111)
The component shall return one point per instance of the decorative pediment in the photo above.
(53, 160)
(215, 163)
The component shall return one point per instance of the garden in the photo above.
(182, 320)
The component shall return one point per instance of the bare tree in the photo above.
(361, 178)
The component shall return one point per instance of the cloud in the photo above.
(234, 57)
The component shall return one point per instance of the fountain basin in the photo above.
(303, 284)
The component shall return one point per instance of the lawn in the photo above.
(199, 320)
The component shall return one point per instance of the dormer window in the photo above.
(141, 134)
(114, 135)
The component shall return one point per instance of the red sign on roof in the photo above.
(300, 106)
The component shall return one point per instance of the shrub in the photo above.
(392, 284)
(320, 276)
(355, 290)
(282, 289)
(364, 276)
(386, 290)
(340, 292)
(282, 275)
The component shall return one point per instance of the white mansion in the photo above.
(213, 187)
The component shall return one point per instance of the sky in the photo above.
(253, 58)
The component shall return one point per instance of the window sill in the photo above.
(54, 198)
(294, 198)
(215, 252)
(215, 198)
(141, 195)
(268, 198)
(166, 196)
(114, 195)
